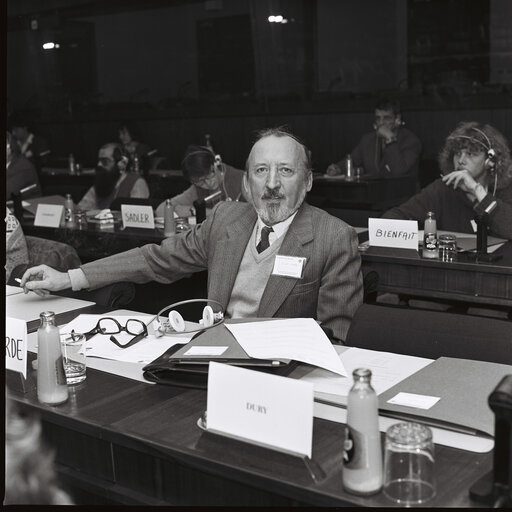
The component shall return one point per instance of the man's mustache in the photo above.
(272, 194)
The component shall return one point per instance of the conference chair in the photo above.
(431, 334)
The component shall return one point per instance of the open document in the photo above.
(387, 369)
(299, 339)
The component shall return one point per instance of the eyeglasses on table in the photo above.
(109, 325)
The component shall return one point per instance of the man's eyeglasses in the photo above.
(111, 326)
(204, 180)
(105, 160)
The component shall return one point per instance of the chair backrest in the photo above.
(431, 334)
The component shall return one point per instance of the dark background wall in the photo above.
(178, 69)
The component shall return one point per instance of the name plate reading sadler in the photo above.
(393, 233)
(137, 216)
(260, 408)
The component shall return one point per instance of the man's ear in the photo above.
(245, 188)
(309, 181)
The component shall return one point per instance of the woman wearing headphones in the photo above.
(476, 180)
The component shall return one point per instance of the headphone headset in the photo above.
(209, 318)
(173, 322)
(490, 161)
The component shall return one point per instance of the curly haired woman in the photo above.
(476, 180)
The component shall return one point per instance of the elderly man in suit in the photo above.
(239, 244)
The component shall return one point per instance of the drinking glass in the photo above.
(447, 247)
(409, 476)
(73, 355)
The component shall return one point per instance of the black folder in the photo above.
(178, 368)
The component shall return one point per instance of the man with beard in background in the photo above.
(112, 181)
(239, 243)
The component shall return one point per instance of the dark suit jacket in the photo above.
(330, 290)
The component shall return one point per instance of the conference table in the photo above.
(122, 441)
(465, 280)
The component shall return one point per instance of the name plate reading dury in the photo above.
(49, 215)
(137, 216)
(262, 409)
(393, 233)
(16, 345)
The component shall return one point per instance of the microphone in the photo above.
(27, 189)
(213, 196)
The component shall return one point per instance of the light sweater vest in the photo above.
(251, 280)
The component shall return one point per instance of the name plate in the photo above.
(262, 409)
(393, 233)
(16, 345)
(137, 216)
(49, 215)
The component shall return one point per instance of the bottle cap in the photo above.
(46, 315)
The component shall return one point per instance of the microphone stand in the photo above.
(481, 240)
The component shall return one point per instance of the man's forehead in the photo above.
(272, 147)
(383, 113)
(106, 152)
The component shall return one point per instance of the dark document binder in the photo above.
(464, 387)
(176, 367)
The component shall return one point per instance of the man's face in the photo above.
(208, 182)
(124, 136)
(276, 181)
(20, 133)
(471, 161)
(386, 118)
(107, 172)
(106, 158)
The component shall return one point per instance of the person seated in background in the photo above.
(390, 150)
(476, 180)
(30, 476)
(21, 176)
(136, 151)
(238, 244)
(30, 145)
(23, 251)
(207, 175)
(111, 180)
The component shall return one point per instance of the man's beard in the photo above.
(273, 213)
(105, 181)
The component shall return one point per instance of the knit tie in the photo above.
(264, 243)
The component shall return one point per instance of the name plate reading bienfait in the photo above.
(137, 216)
(393, 233)
(262, 409)
(16, 345)
(49, 215)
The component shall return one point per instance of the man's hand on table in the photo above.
(43, 279)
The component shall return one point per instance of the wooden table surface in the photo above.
(127, 442)
(463, 280)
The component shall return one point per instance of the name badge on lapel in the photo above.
(289, 266)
